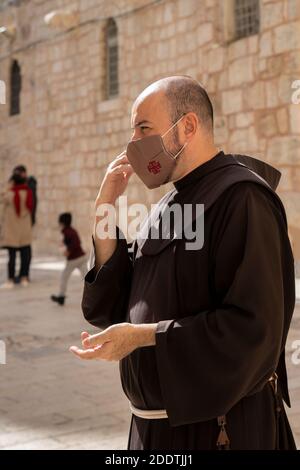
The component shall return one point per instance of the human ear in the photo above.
(190, 124)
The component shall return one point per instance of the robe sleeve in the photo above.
(106, 292)
(207, 362)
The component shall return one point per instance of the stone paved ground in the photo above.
(48, 398)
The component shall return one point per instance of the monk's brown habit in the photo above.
(223, 314)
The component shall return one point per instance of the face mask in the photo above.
(150, 159)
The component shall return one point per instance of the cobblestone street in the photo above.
(51, 400)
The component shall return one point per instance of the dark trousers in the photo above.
(25, 254)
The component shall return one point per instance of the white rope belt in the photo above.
(148, 414)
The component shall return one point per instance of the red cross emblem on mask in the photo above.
(154, 167)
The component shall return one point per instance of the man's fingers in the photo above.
(122, 168)
(129, 170)
(85, 353)
(122, 158)
(84, 335)
(121, 155)
(95, 340)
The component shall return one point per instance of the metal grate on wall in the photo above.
(112, 60)
(247, 18)
(15, 88)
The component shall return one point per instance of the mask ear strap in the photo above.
(181, 150)
(178, 120)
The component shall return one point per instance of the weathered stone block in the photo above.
(254, 96)
(216, 59)
(267, 126)
(237, 49)
(241, 71)
(282, 120)
(232, 101)
(284, 150)
(244, 119)
(266, 44)
(221, 130)
(271, 15)
(286, 37)
(204, 33)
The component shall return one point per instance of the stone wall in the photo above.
(67, 132)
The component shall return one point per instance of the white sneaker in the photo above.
(24, 282)
(7, 285)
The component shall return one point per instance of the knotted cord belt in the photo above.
(148, 414)
(223, 442)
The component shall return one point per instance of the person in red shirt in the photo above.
(75, 256)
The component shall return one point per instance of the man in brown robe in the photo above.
(200, 334)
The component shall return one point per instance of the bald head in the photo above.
(179, 110)
(182, 94)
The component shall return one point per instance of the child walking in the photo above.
(75, 256)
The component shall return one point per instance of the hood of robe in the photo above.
(270, 174)
(220, 174)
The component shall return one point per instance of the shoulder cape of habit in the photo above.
(226, 171)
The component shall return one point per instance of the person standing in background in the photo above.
(75, 256)
(17, 228)
(32, 184)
